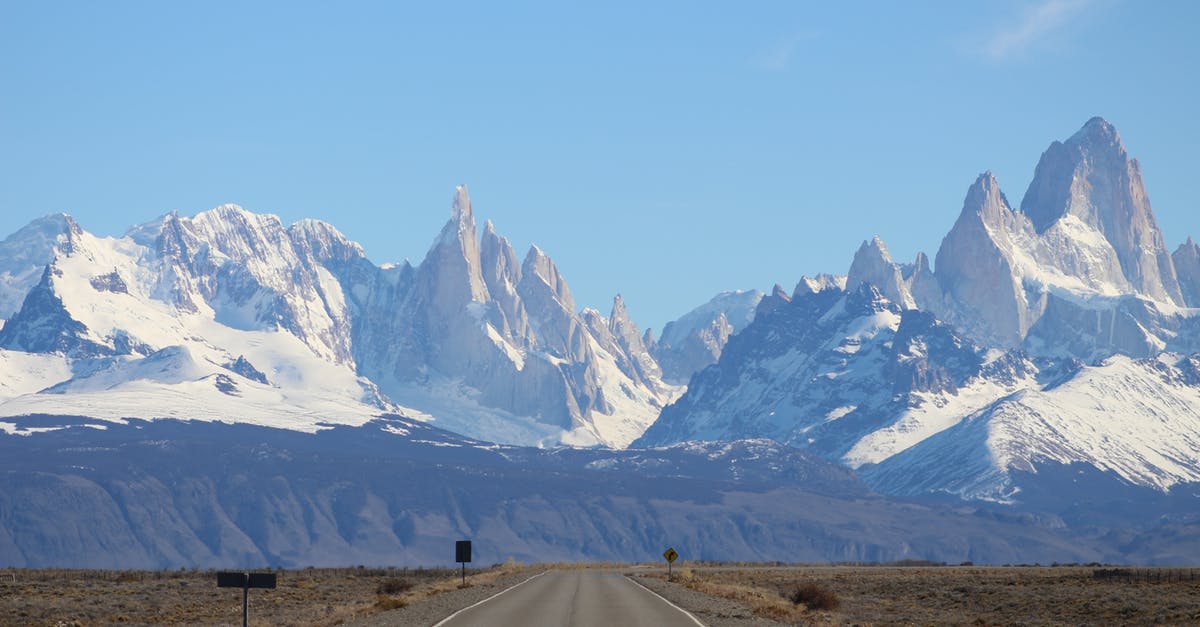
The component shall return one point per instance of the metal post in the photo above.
(246, 602)
(464, 574)
(668, 576)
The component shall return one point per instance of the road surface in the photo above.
(579, 598)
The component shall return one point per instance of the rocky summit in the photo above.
(1049, 339)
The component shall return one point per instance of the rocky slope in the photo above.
(167, 494)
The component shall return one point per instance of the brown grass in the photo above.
(946, 595)
(814, 597)
(322, 596)
(765, 603)
(394, 585)
(384, 603)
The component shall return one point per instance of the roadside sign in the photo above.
(261, 580)
(462, 555)
(231, 580)
(671, 556)
(245, 581)
(462, 551)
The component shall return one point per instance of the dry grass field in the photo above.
(950, 595)
(859, 595)
(321, 596)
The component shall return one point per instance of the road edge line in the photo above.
(664, 600)
(448, 618)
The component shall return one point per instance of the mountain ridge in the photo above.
(965, 378)
(1038, 384)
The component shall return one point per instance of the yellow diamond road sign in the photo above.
(671, 555)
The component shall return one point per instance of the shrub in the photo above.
(385, 603)
(394, 585)
(814, 597)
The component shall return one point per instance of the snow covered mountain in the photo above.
(696, 339)
(1081, 269)
(232, 315)
(24, 255)
(495, 349)
(1054, 336)
(198, 318)
(1049, 360)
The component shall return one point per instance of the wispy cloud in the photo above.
(779, 57)
(1040, 22)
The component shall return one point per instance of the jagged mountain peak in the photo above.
(1091, 178)
(451, 272)
(870, 251)
(873, 265)
(695, 340)
(459, 232)
(921, 263)
(618, 308)
(819, 283)
(777, 299)
(59, 222)
(232, 212)
(538, 265)
(147, 233)
(1186, 259)
(25, 254)
(317, 228)
(1098, 133)
(535, 254)
(55, 230)
(499, 260)
(323, 241)
(1069, 172)
(491, 236)
(632, 351)
(461, 207)
(985, 199)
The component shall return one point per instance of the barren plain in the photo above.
(717, 594)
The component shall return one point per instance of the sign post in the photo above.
(462, 555)
(671, 556)
(245, 581)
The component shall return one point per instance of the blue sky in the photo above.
(666, 152)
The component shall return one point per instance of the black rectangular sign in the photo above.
(231, 580)
(462, 551)
(244, 580)
(262, 580)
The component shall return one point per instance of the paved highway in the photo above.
(579, 598)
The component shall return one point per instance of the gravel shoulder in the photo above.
(712, 611)
(433, 609)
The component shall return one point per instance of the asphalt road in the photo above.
(578, 598)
